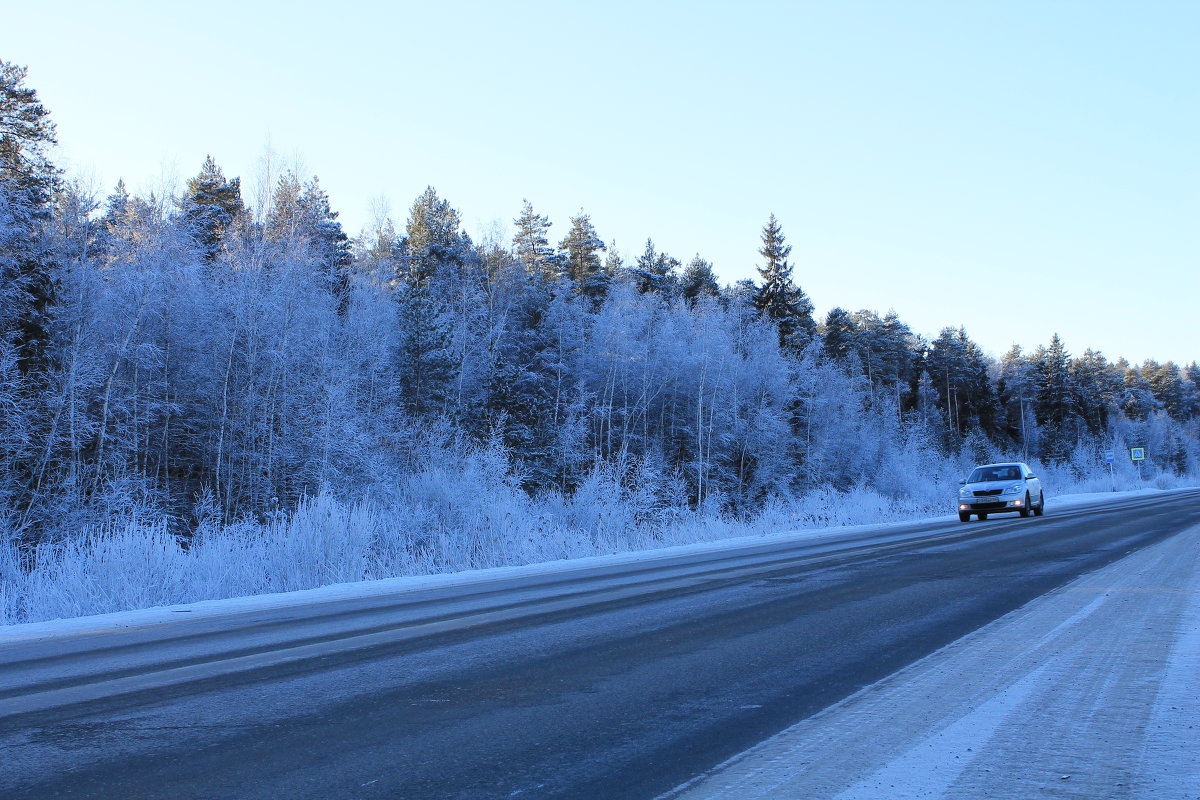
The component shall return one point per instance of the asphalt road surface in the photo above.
(624, 701)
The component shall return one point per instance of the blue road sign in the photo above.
(1137, 453)
(1109, 456)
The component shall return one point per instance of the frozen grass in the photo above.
(457, 514)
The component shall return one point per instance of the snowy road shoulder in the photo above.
(1090, 691)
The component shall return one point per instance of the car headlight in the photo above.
(1016, 487)
(964, 492)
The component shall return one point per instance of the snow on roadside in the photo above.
(1090, 691)
(410, 583)
(166, 614)
(372, 588)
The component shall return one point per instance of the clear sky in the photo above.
(1018, 168)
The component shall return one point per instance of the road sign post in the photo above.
(1138, 455)
(1109, 457)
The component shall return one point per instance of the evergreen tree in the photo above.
(655, 272)
(778, 297)
(284, 217)
(1166, 384)
(434, 242)
(438, 271)
(1055, 401)
(300, 223)
(211, 207)
(28, 182)
(698, 280)
(839, 334)
(887, 349)
(116, 213)
(1192, 389)
(1137, 400)
(1097, 385)
(614, 265)
(328, 243)
(581, 263)
(532, 247)
(959, 372)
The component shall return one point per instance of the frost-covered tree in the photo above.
(304, 367)
(1055, 399)
(1166, 384)
(1137, 398)
(28, 181)
(211, 207)
(302, 226)
(1097, 387)
(655, 272)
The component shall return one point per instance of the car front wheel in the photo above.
(1025, 508)
(1040, 508)
(982, 517)
(964, 516)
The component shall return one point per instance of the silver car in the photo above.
(1000, 488)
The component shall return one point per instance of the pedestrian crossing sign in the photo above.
(1137, 453)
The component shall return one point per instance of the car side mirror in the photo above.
(962, 482)
(1030, 477)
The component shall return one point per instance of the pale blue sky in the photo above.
(1018, 168)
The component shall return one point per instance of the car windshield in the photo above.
(984, 474)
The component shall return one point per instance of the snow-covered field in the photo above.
(1091, 691)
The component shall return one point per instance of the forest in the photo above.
(223, 399)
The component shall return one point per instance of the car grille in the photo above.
(989, 506)
(987, 493)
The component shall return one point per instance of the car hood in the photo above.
(979, 487)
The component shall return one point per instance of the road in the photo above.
(622, 700)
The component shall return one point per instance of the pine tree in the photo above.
(328, 243)
(581, 263)
(283, 221)
(1167, 386)
(532, 247)
(698, 280)
(839, 334)
(116, 209)
(1192, 390)
(211, 207)
(434, 242)
(1015, 394)
(1137, 400)
(655, 272)
(887, 349)
(28, 182)
(959, 371)
(614, 265)
(432, 277)
(1097, 385)
(1055, 402)
(778, 297)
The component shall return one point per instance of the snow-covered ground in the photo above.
(1091, 691)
